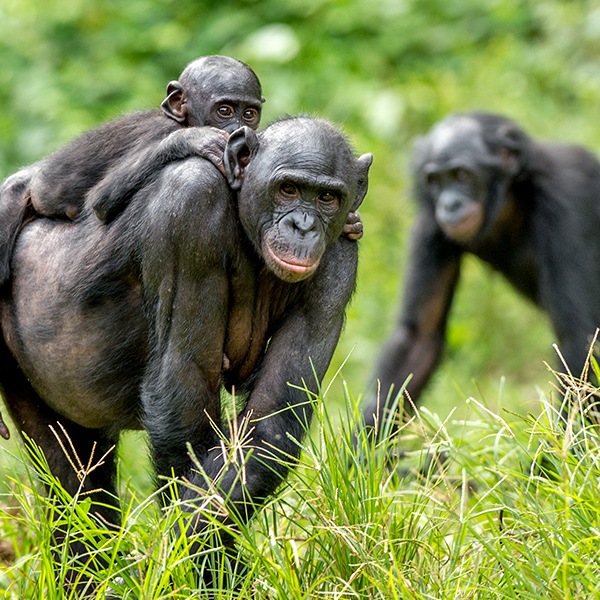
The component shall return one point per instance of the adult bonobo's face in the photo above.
(216, 91)
(297, 182)
(465, 174)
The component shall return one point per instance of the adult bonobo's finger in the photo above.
(353, 229)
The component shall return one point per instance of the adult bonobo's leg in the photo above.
(83, 460)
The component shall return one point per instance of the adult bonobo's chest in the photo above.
(258, 300)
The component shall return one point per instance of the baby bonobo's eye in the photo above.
(251, 116)
(225, 111)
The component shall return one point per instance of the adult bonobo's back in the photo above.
(139, 323)
(530, 209)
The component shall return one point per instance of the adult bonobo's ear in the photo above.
(514, 148)
(174, 105)
(242, 144)
(362, 183)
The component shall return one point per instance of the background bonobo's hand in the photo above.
(353, 229)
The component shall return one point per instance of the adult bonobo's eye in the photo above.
(328, 197)
(288, 190)
(251, 116)
(225, 111)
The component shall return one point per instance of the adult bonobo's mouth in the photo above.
(290, 268)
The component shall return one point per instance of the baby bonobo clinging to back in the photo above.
(213, 91)
(217, 91)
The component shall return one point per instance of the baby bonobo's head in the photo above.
(216, 91)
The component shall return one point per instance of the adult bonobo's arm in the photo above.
(320, 282)
(416, 344)
(278, 414)
(112, 194)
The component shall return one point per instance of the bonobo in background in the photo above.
(530, 209)
(139, 324)
(215, 91)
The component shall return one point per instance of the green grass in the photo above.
(513, 513)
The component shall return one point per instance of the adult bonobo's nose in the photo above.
(300, 222)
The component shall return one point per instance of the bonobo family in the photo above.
(168, 254)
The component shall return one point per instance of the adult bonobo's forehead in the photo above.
(216, 76)
(455, 137)
(312, 149)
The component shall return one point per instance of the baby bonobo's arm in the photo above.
(113, 193)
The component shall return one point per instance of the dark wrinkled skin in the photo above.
(529, 209)
(139, 323)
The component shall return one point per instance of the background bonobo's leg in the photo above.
(416, 344)
(33, 418)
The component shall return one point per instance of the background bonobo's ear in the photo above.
(362, 183)
(514, 148)
(174, 105)
(242, 144)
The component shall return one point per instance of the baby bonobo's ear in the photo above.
(363, 165)
(175, 105)
(242, 144)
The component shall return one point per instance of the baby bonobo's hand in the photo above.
(353, 229)
(207, 142)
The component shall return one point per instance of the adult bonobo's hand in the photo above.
(110, 195)
(353, 229)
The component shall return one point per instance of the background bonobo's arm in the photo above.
(112, 194)
(418, 340)
(277, 412)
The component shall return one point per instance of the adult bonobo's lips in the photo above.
(300, 267)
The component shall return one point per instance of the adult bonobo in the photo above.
(529, 209)
(138, 323)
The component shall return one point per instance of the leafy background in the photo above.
(384, 69)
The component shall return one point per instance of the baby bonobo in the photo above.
(213, 91)
(217, 91)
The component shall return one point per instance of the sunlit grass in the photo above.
(512, 511)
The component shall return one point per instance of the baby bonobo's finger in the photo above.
(213, 147)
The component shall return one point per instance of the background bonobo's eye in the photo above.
(288, 190)
(225, 111)
(461, 175)
(251, 116)
(433, 179)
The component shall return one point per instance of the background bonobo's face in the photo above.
(296, 192)
(454, 173)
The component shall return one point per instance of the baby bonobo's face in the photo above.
(222, 92)
(230, 113)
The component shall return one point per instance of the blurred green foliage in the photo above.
(385, 69)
